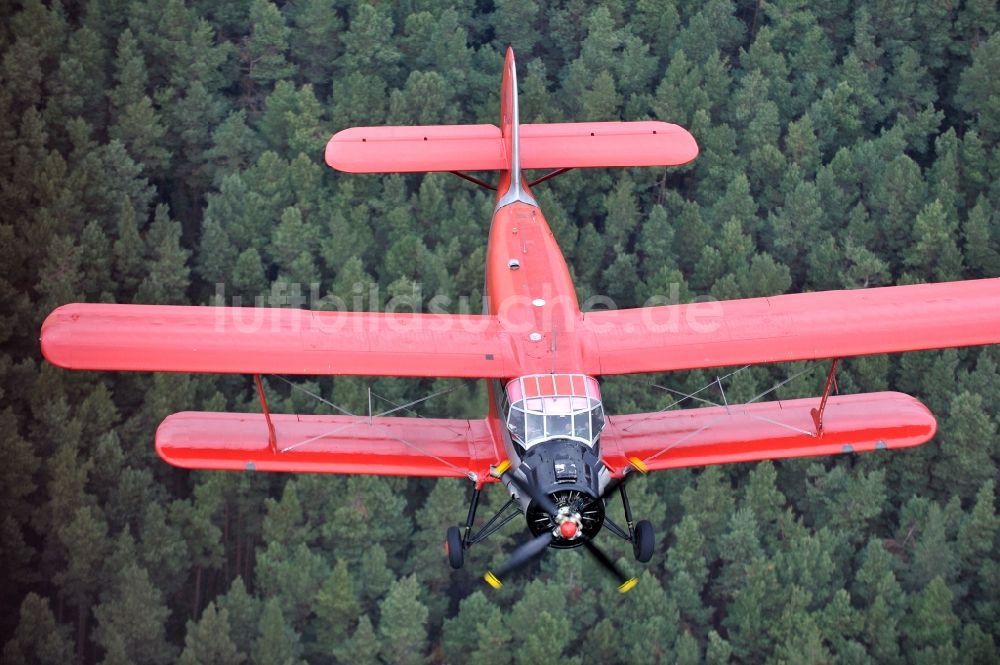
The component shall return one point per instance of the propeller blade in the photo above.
(626, 582)
(522, 555)
(538, 496)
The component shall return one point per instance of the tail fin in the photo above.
(510, 147)
(512, 186)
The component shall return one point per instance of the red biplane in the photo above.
(546, 436)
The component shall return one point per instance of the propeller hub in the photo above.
(569, 525)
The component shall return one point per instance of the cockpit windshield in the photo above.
(545, 406)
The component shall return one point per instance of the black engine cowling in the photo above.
(570, 473)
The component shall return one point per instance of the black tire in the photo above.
(644, 541)
(453, 546)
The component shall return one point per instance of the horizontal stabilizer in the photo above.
(767, 430)
(260, 340)
(480, 147)
(328, 444)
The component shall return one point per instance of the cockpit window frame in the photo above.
(531, 417)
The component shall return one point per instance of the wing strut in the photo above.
(272, 437)
(376, 427)
(474, 180)
(831, 382)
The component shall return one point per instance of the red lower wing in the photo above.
(767, 430)
(329, 444)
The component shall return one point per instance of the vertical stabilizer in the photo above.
(512, 186)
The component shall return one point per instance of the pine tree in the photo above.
(291, 238)
(130, 75)
(203, 540)
(264, 58)
(976, 646)
(620, 280)
(316, 44)
(249, 280)
(16, 481)
(475, 613)
(289, 574)
(127, 250)
(982, 242)
(244, 613)
(363, 647)
(76, 89)
(978, 90)
(276, 643)
(840, 624)
(966, 462)
(798, 637)
(432, 519)
(933, 556)
(689, 573)
(847, 502)
(133, 618)
(235, 146)
(539, 619)
(935, 254)
(358, 98)
(60, 275)
(754, 607)
(162, 550)
(719, 650)
(135, 122)
(977, 532)
(402, 625)
(739, 548)
(797, 226)
(336, 608)
(37, 35)
(38, 637)
(710, 502)
(208, 642)
(516, 22)
(167, 281)
(368, 44)
(930, 624)
(82, 538)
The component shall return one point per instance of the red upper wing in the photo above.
(802, 326)
(249, 340)
(766, 430)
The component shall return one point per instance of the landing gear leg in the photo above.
(471, 518)
(458, 541)
(641, 534)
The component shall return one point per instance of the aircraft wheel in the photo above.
(453, 546)
(644, 541)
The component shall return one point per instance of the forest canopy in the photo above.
(167, 152)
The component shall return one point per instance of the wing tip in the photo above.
(52, 336)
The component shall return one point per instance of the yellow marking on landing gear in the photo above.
(500, 468)
(492, 580)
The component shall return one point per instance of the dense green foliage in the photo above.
(150, 150)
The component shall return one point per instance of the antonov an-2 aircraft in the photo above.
(547, 436)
